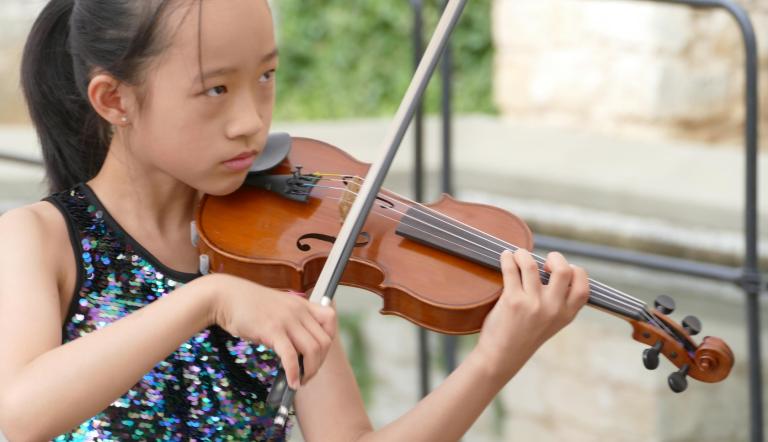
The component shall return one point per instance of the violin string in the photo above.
(503, 244)
(596, 290)
(544, 275)
(609, 292)
(606, 291)
(538, 259)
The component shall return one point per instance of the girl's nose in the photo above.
(246, 122)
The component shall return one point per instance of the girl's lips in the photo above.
(240, 162)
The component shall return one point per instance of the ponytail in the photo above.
(115, 36)
(71, 134)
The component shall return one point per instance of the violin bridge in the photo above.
(353, 188)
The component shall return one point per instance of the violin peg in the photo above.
(651, 356)
(692, 325)
(677, 381)
(204, 265)
(664, 304)
(193, 234)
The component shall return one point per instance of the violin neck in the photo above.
(435, 230)
(606, 298)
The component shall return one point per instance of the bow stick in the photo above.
(281, 396)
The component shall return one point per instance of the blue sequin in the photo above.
(213, 387)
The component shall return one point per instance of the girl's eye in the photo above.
(267, 76)
(216, 91)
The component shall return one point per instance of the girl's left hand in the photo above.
(529, 312)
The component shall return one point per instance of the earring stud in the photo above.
(124, 119)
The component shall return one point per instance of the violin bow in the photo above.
(281, 396)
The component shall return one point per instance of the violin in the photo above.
(436, 265)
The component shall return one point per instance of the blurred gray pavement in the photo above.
(677, 195)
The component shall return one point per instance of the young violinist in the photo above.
(107, 331)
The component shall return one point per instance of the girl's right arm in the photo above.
(47, 388)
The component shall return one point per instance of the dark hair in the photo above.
(69, 40)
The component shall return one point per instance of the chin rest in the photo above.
(277, 148)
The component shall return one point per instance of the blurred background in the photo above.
(618, 123)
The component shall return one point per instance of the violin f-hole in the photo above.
(304, 247)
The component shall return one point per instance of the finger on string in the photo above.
(510, 273)
(579, 290)
(500, 243)
(560, 277)
(529, 272)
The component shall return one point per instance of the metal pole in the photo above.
(20, 159)
(418, 179)
(751, 277)
(446, 71)
(418, 122)
(734, 275)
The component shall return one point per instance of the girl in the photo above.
(106, 330)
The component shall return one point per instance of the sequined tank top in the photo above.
(213, 387)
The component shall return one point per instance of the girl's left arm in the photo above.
(330, 407)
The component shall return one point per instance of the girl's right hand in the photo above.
(287, 323)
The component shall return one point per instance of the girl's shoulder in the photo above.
(42, 213)
(38, 233)
(34, 222)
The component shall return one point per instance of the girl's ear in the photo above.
(109, 97)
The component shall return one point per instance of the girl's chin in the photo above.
(222, 186)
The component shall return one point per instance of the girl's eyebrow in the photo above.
(227, 70)
(213, 73)
(272, 55)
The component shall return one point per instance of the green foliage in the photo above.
(342, 58)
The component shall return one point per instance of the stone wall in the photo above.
(620, 66)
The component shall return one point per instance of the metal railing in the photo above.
(746, 277)
(20, 159)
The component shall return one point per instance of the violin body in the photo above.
(282, 243)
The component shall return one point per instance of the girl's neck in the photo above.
(150, 203)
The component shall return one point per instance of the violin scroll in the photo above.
(710, 361)
(714, 358)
